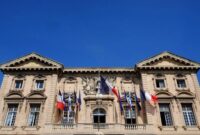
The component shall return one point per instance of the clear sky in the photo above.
(93, 33)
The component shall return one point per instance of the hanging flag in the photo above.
(149, 97)
(129, 100)
(154, 98)
(75, 98)
(142, 95)
(79, 101)
(120, 102)
(126, 98)
(69, 104)
(60, 101)
(137, 103)
(106, 87)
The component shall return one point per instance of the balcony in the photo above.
(89, 128)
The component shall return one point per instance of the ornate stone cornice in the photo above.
(98, 70)
(170, 62)
(170, 67)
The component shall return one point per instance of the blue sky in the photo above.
(93, 33)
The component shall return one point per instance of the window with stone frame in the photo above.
(18, 84)
(129, 115)
(68, 117)
(34, 113)
(160, 81)
(188, 114)
(11, 115)
(181, 83)
(165, 114)
(39, 84)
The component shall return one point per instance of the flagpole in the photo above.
(136, 107)
(98, 97)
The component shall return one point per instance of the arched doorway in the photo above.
(99, 115)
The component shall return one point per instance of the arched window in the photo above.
(99, 115)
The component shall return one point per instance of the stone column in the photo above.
(3, 91)
(51, 100)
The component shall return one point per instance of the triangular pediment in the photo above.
(167, 59)
(32, 60)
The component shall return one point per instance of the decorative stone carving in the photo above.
(90, 85)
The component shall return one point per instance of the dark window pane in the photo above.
(160, 83)
(18, 84)
(188, 114)
(181, 83)
(11, 115)
(165, 115)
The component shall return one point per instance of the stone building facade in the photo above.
(31, 83)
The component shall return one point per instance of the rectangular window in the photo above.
(181, 83)
(34, 114)
(188, 115)
(165, 115)
(39, 84)
(11, 114)
(160, 83)
(68, 117)
(18, 84)
(129, 115)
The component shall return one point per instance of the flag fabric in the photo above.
(79, 101)
(142, 95)
(106, 87)
(69, 104)
(148, 97)
(137, 103)
(60, 101)
(129, 100)
(154, 98)
(120, 102)
(75, 97)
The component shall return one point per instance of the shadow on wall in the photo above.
(1, 78)
(198, 75)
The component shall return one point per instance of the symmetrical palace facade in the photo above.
(31, 83)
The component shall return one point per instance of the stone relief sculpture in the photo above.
(91, 84)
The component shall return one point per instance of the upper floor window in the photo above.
(129, 114)
(160, 83)
(18, 84)
(188, 114)
(11, 115)
(181, 83)
(39, 84)
(165, 114)
(34, 115)
(68, 117)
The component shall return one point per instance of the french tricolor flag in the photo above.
(106, 87)
(149, 97)
(60, 101)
